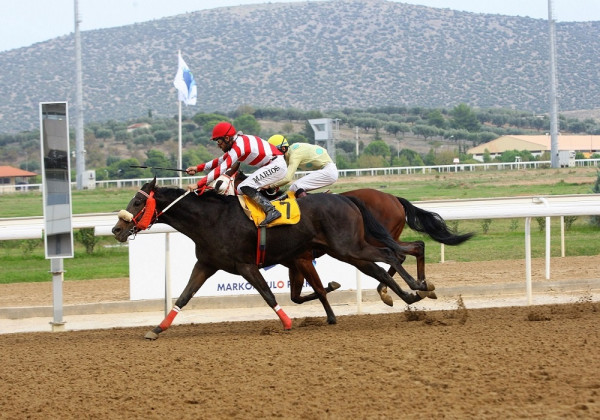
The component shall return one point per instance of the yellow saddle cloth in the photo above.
(288, 207)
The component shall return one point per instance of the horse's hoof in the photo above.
(334, 285)
(151, 335)
(423, 294)
(387, 299)
(430, 286)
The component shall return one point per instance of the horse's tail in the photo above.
(373, 228)
(431, 224)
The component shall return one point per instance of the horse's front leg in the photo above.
(199, 275)
(252, 275)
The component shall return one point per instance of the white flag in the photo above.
(185, 83)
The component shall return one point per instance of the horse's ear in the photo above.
(149, 186)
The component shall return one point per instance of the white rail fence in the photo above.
(173, 254)
(398, 170)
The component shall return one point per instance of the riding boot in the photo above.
(271, 213)
(300, 193)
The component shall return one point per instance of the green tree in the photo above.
(247, 124)
(372, 161)
(296, 138)
(436, 119)
(425, 130)
(104, 133)
(163, 135)
(487, 156)
(156, 158)
(377, 148)
(464, 117)
(429, 158)
(144, 139)
(510, 156)
(122, 169)
(123, 136)
(196, 156)
(412, 157)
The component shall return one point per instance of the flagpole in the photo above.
(180, 159)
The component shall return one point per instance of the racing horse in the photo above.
(393, 213)
(226, 239)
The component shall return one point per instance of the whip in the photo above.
(156, 167)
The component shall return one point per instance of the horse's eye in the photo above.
(137, 203)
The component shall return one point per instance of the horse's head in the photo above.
(139, 215)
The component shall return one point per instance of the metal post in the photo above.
(79, 141)
(168, 296)
(56, 268)
(562, 236)
(528, 260)
(553, 94)
(548, 250)
(180, 142)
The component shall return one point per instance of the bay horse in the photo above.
(394, 213)
(226, 239)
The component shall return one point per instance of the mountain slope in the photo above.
(308, 55)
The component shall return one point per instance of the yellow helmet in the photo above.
(278, 141)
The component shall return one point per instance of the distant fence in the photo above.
(398, 170)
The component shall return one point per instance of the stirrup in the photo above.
(270, 216)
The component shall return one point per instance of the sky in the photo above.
(26, 22)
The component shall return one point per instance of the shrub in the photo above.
(86, 237)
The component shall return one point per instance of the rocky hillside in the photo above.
(308, 55)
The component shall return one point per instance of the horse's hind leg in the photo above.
(303, 268)
(394, 259)
(375, 271)
(252, 275)
(417, 250)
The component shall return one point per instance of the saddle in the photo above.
(287, 206)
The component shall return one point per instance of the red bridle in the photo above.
(147, 215)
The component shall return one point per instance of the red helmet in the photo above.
(223, 129)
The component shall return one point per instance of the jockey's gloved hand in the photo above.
(192, 187)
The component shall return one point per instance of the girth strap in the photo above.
(261, 246)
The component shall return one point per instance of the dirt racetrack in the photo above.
(520, 362)
(517, 362)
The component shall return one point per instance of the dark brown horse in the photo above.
(226, 239)
(393, 213)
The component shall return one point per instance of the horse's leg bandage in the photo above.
(285, 320)
(166, 323)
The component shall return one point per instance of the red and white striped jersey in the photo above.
(251, 150)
